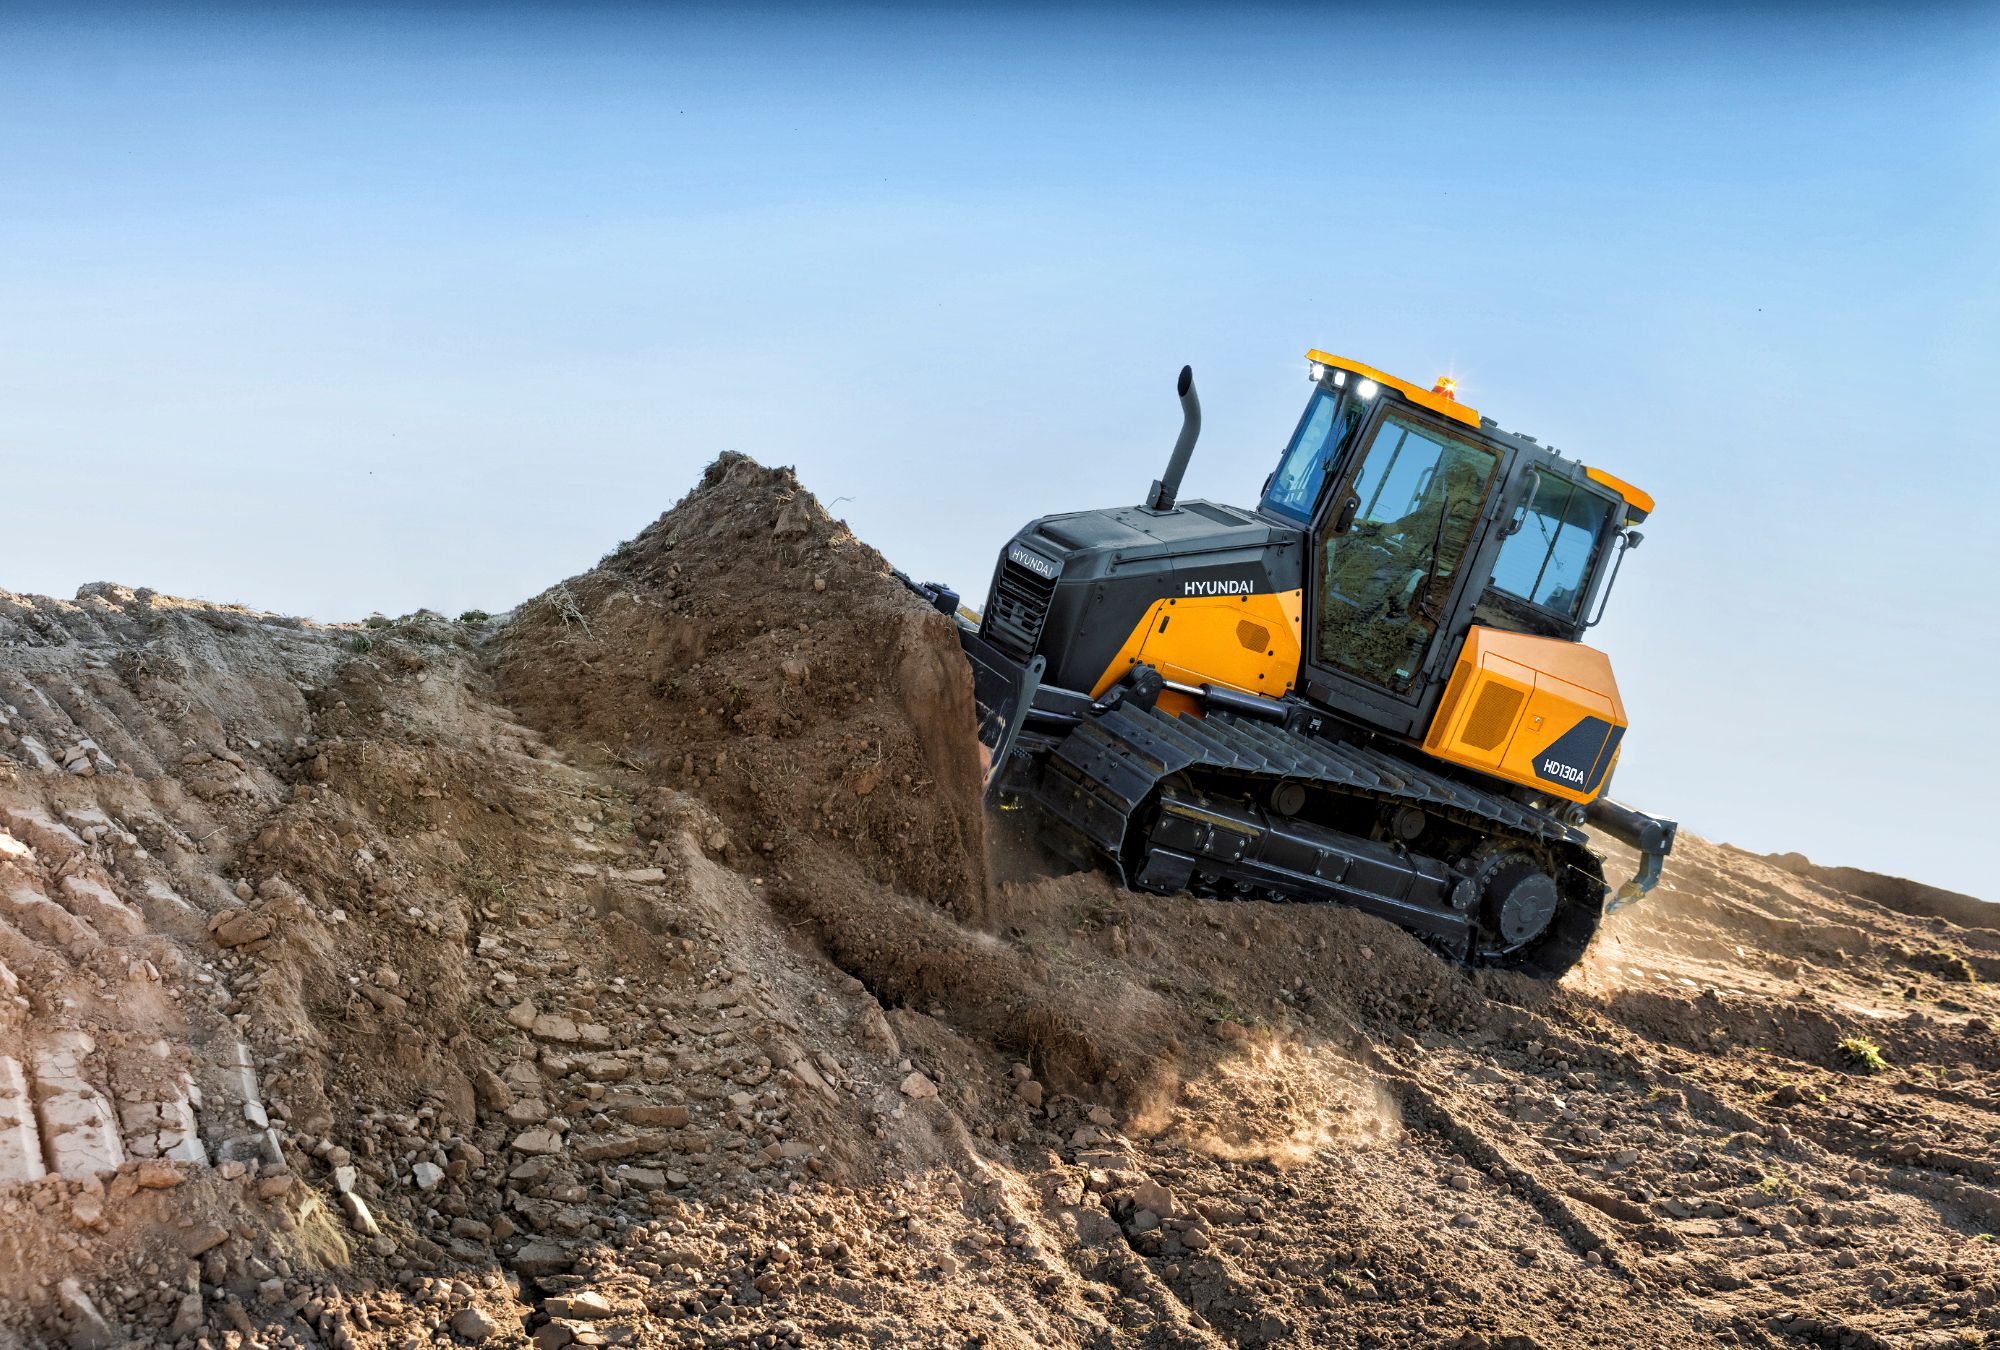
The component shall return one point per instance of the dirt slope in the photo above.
(629, 971)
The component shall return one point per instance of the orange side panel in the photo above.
(1248, 642)
(1514, 700)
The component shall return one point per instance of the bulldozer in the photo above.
(1370, 688)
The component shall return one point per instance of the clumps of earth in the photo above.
(634, 969)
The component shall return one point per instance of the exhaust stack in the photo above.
(1167, 488)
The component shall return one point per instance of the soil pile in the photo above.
(627, 971)
(748, 650)
(747, 647)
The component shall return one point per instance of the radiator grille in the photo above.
(1493, 716)
(1017, 610)
(1254, 636)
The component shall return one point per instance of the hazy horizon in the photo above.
(366, 310)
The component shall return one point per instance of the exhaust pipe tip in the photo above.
(1185, 383)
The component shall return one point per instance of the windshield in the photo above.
(1548, 557)
(1316, 446)
(1385, 575)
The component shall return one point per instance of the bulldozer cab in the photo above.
(1422, 519)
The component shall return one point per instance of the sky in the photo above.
(365, 309)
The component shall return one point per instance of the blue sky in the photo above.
(371, 309)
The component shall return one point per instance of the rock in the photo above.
(670, 1117)
(542, 1257)
(1144, 1221)
(588, 1305)
(88, 1329)
(385, 1001)
(1195, 1239)
(605, 1148)
(554, 1336)
(240, 927)
(918, 1086)
(1152, 1195)
(201, 1239)
(1031, 1093)
(473, 1325)
(358, 1216)
(158, 1176)
(553, 1027)
(1101, 1117)
(188, 1316)
(87, 1209)
(344, 1178)
(523, 1014)
(526, 1111)
(427, 1175)
(490, 1090)
(537, 1142)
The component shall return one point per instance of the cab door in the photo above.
(1388, 556)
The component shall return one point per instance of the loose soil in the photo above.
(637, 969)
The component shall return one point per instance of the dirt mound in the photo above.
(629, 973)
(747, 647)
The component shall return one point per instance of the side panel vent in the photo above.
(1254, 636)
(1493, 716)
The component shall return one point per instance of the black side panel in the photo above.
(1073, 588)
(1578, 758)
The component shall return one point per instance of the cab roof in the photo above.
(1638, 502)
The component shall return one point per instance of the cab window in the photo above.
(1548, 557)
(1316, 446)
